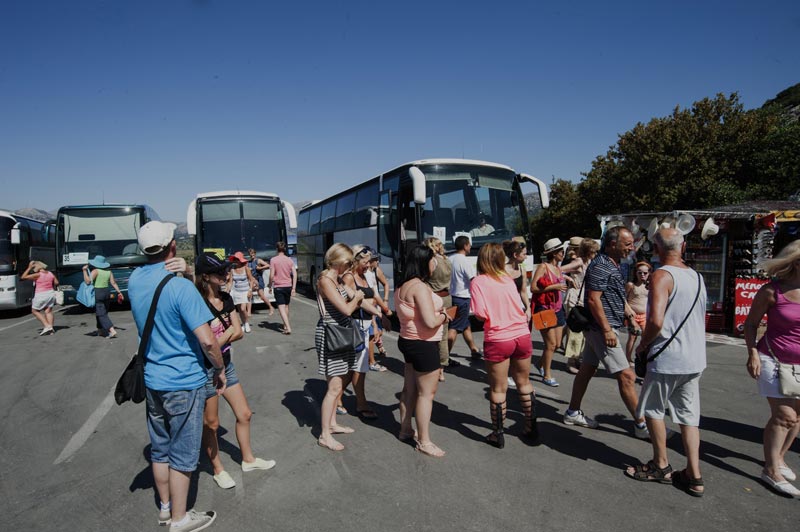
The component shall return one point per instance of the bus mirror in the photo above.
(16, 237)
(418, 184)
(544, 195)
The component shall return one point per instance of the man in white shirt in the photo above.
(463, 272)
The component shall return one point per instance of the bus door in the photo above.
(389, 232)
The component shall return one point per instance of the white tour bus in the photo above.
(395, 210)
(22, 240)
(237, 220)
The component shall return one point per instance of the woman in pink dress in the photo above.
(507, 348)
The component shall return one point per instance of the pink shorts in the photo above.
(519, 348)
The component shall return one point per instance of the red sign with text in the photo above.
(746, 290)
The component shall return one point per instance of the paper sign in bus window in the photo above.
(440, 232)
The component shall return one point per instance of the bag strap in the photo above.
(151, 315)
(217, 313)
(671, 338)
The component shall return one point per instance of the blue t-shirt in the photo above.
(603, 275)
(174, 357)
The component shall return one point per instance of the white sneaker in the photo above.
(641, 432)
(224, 480)
(783, 487)
(258, 464)
(511, 383)
(787, 473)
(164, 516)
(579, 419)
(197, 521)
(246, 327)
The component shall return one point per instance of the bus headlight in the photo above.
(66, 287)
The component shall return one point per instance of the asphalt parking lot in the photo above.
(74, 460)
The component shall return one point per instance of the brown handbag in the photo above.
(545, 319)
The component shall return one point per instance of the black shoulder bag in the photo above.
(130, 386)
(641, 361)
(579, 316)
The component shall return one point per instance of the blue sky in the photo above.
(154, 101)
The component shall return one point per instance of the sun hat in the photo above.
(154, 236)
(709, 229)
(209, 262)
(553, 245)
(686, 223)
(238, 257)
(99, 261)
(575, 241)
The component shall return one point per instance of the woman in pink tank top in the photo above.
(780, 301)
(421, 317)
(44, 298)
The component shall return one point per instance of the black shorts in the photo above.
(282, 295)
(423, 355)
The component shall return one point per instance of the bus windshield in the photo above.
(231, 225)
(110, 232)
(482, 202)
(6, 250)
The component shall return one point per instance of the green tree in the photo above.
(714, 153)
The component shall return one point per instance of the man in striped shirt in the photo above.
(605, 298)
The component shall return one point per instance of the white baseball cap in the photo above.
(155, 236)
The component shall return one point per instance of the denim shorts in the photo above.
(461, 322)
(230, 376)
(175, 424)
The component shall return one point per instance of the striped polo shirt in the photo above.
(603, 275)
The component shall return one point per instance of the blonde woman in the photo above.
(780, 301)
(507, 347)
(371, 307)
(44, 297)
(240, 287)
(439, 282)
(336, 304)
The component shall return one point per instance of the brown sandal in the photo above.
(649, 472)
(682, 480)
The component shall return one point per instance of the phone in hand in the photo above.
(451, 312)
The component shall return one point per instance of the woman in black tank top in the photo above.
(364, 315)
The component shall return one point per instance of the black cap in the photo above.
(209, 262)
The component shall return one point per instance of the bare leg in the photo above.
(580, 385)
(283, 310)
(626, 381)
(782, 422)
(328, 413)
(552, 338)
(161, 477)
(408, 400)
(371, 350)
(48, 315)
(658, 438)
(629, 346)
(359, 387)
(179, 492)
(39, 316)
(469, 340)
(451, 339)
(691, 446)
(210, 427)
(238, 403)
(792, 434)
(426, 390)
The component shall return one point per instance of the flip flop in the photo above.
(333, 445)
(367, 414)
(430, 449)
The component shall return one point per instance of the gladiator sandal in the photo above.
(497, 412)
(528, 401)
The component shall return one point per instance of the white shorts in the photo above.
(44, 300)
(362, 358)
(240, 297)
(680, 392)
(768, 383)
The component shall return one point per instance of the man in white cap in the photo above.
(605, 298)
(174, 374)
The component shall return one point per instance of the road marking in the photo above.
(62, 309)
(82, 436)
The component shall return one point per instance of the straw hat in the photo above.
(575, 241)
(552, 245)
(652, 228)
(686, 223)
(709, 229)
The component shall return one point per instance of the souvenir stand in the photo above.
(725, 245)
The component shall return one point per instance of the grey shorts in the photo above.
(680, 392)
(596, 351)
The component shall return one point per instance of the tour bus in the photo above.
(237, 220)
(445, 198)
(22, 240)
(86, 231)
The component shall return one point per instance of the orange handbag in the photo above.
(545, 319)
